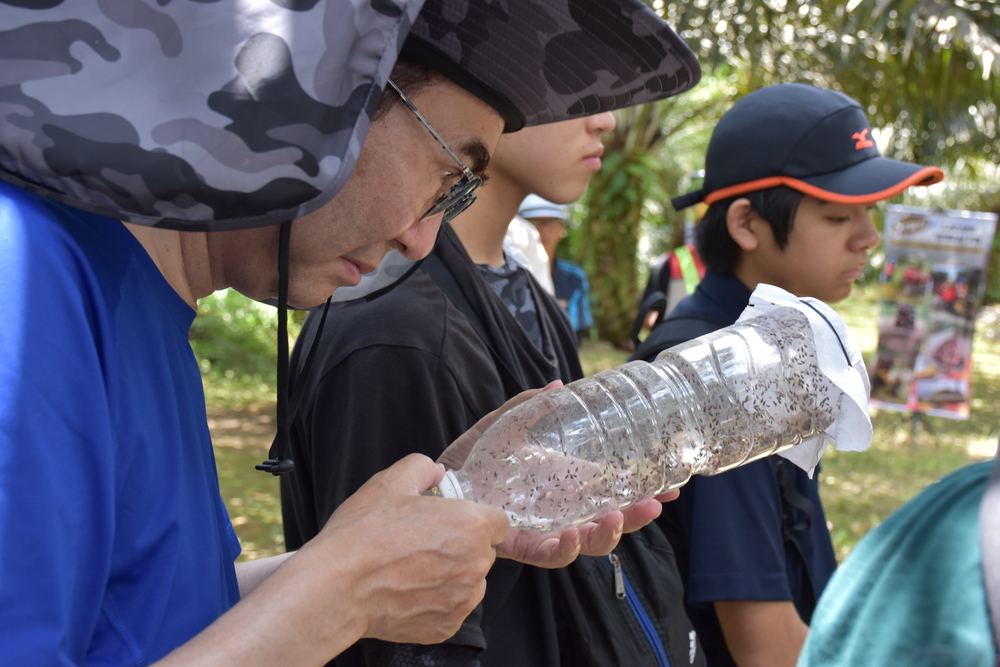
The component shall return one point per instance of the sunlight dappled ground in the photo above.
(242, 440)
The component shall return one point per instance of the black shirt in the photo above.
(406, 373)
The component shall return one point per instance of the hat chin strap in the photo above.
(277, 464)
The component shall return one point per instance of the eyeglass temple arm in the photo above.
(430, 129)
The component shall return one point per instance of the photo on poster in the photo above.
(901, 334)
(944, 366)
(954, 291)
(905, 279)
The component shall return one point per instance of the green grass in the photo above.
(600, 356)
(242, 439)
(859, 489)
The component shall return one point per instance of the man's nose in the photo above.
(417, 241)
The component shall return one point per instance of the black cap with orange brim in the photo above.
(809, 139)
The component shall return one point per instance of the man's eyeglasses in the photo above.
(461, 195)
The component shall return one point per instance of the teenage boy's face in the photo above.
(556, 160)
(827, 250)
(399, 175)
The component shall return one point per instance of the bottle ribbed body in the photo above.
(575, 453)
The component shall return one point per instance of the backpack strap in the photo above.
(989, 536)
(655, 300)
(674, 331)
(797, 511)
(445, 279)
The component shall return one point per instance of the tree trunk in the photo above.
(607, 249)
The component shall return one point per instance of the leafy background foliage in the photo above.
(927, 71)
(235, 340)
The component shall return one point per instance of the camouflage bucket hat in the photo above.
(225, 115)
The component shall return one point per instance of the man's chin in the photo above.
(305, 302)
(295, 301)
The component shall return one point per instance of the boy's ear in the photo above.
(741, 221)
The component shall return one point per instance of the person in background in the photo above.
(572, 290)
(523, 244)
(675, 275)
(790, 178)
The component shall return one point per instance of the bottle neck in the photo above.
(456, 484)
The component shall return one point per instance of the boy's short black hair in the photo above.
(717, 248)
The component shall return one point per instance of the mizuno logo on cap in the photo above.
(862, 139)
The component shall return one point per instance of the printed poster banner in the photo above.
(932, 286)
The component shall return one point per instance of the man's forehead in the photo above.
(470, 126)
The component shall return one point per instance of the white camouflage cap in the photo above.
(534, 206)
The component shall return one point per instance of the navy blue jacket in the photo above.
(739, 535)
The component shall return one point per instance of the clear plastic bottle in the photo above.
(573, 454)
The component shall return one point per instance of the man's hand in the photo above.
(551, 550)
(389, 564)
(418, 564)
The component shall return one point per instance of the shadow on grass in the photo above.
(242, 439)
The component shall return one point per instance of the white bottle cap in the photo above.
(449, 486)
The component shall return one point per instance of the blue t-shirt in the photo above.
(911, 592)
(573, 292)
(115, 546)
(729, 530)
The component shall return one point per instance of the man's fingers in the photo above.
(595, 538)
(412, 475)
(549, 550)
(668, 496)
(600, 537)
(567, 549)
(641, 514)
(499, 523)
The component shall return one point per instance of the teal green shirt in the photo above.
(911, 593)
